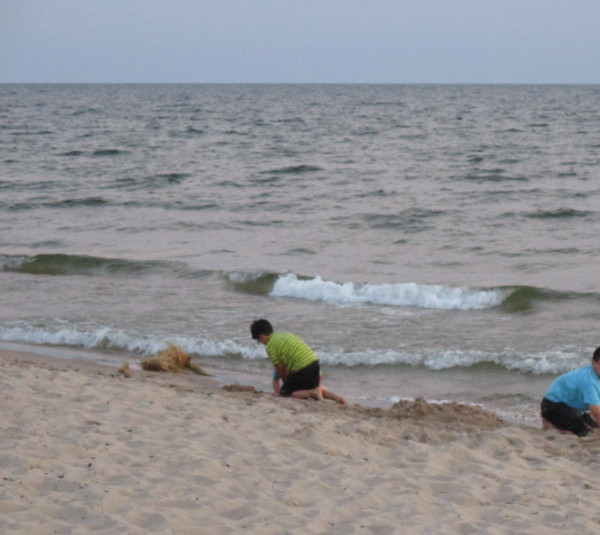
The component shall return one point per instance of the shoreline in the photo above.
(86, 448)
(437, 387)
(40, 356)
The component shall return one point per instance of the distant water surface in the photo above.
(425, 240)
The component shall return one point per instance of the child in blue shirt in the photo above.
(572, 402)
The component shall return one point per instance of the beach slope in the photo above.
(86, 449)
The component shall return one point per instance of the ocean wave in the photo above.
(103, 202)
(68, 264)
(64, 264)
(524, 298)
(151, 182)
(60, 204)
(104, 338)
(493, 175)
(108, 338)
(70, 203)
(562, 213)
(108, 152)
(293, 170)
(412, 220)
(397, 294)
(509, 299)
(540, 363)
(251, 283)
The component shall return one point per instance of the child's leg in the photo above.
(330, 395)
(313, 393)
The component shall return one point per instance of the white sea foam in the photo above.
(240, 277)
(398, 294)
(122, 341)
(12, 262)
(106, 338)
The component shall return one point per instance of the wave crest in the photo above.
(397, 294)
(65, 264)
(119, 341)
(110, 339)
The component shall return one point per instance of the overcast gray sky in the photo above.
(300, 41)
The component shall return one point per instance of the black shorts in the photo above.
(305, 379)
(566, 418)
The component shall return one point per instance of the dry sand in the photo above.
(85, 449)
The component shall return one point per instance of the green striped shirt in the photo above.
(289, 350)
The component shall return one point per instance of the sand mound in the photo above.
(450, 412)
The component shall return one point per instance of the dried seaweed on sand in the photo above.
(172, 359)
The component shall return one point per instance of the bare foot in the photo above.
(330, 395)
(340, 399)
(316, 393)
(546, 425)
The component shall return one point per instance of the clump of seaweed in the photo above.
(172, 359)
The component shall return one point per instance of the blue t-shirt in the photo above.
(578, 388)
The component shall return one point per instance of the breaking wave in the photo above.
(396, 294)
(103, 338)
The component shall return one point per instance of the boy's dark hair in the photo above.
(259, 327)
(596, 356)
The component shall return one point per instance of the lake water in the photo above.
(435, 241)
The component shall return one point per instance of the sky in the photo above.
(300, 41)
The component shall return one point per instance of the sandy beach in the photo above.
(86, 449)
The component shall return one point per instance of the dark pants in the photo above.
(566, 418)
(305, 379)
